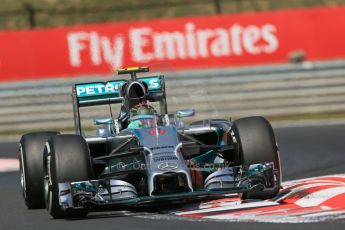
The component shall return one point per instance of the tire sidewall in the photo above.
(31, 168)
(260, 128)
(57, 172)
(52, 189)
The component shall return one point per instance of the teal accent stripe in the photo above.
(110, 89)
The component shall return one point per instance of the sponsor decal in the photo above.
(153, 131)
(95, 89)
(188, 42)
(112, 87)
(167, 166)
(195, 42)
(162, 147)
(152, 83)
(165, 158)
(163, 150)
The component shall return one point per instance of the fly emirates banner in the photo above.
(173, 44)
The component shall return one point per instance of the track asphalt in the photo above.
(305, 152)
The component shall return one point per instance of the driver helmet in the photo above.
(141, 117)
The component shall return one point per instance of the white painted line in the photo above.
(9, 165)
(301, 188)
(319, 197)
(255, 204)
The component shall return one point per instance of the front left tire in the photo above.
(67, 159)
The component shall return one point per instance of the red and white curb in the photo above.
(301, 201)
(9, 165)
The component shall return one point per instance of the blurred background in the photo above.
(24, 14)
(302, 84)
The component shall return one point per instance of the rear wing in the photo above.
(99, 93)
(103, 93)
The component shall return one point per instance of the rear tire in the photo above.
(31, 167)
(67, 159)
(257, 144)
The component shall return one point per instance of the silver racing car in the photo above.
(144, 156)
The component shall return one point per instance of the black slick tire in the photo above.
(31, 167)
(67, 159)
(257, 144)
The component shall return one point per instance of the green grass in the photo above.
(14, 13)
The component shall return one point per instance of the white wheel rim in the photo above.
(22, 172)
(48, 180)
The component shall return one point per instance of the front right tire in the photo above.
(257, 144)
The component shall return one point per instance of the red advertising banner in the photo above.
(183, 43)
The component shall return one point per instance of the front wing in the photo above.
(102, 194)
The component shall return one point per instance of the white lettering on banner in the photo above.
(138, 42)
(113, 54)
(191, 40)
(251, 35)
(169, 45)
(95, 52)
(220, 46)
(202, 37)
(235, 34)
(101, 49)
(268, 34)
(147, 45)
(75, 47)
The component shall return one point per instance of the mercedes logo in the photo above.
(167, 166)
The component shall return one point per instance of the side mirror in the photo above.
(103, 121)
(185, 113)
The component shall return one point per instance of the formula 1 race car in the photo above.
(144, 157)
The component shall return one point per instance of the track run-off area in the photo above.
(306, 152)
